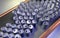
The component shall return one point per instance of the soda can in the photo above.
(8, 25)
(19, 26)
(28, 21)
(1, 34)
(23, 21)
(4, 29)
(20, 17)
(27, 32)
(6, 35)
(21, 32)
(25, 17)
(15, 31)
(11, 35)
(9, 30)
(17, 36)
(25, 26)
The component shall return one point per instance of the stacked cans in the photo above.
(25, 19)
(49, 13)
(28, 16)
